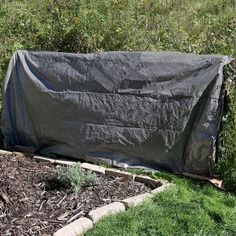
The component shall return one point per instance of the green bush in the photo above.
(226, 166)
(75, 177)
(203, 26)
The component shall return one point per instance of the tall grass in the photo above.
(197, 26)
(226, 165)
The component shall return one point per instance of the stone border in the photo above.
(3, 152)
(214, 181)
(82, 225)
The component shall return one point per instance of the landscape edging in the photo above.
(82, 225)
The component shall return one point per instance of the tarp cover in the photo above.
(130, 109)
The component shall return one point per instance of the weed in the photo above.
(75, 177)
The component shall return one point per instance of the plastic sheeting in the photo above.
(130, 109)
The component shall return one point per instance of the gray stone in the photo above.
(4, 152)
(119, 173)
(95, 168)
(41, 158)
(215, 181)
(76, 228)
(161, 188)
(107, 210)
(66, 162)
(153, 183)
(18, 154)
(136, 200)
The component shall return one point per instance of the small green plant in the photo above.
(75, 177)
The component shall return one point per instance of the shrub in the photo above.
(226, 166)
(75, 177)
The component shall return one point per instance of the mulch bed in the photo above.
(33, 202)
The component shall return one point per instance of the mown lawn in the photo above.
(188, 208)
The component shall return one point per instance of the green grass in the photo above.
(187, 208)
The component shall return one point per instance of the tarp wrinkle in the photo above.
(130, 109)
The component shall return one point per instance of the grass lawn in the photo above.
(188, 208)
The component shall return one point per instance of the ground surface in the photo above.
(187, 209)
(32, 202)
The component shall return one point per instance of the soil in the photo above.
(33, 202)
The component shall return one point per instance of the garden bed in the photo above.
(34, 202)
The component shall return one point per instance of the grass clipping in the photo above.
(75, 177)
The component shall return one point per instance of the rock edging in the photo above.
(82, 225)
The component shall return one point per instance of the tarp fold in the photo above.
(130, 109)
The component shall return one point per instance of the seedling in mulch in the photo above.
(75, 177)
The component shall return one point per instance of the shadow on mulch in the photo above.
(54, 184)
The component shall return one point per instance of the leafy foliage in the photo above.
(203, 26)
(226, 166)
(75, 177)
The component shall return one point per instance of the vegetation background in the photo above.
(193, 26)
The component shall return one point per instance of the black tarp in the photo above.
(130, 109)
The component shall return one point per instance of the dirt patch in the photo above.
(33, 202)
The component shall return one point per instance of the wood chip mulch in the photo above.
(33, 202)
